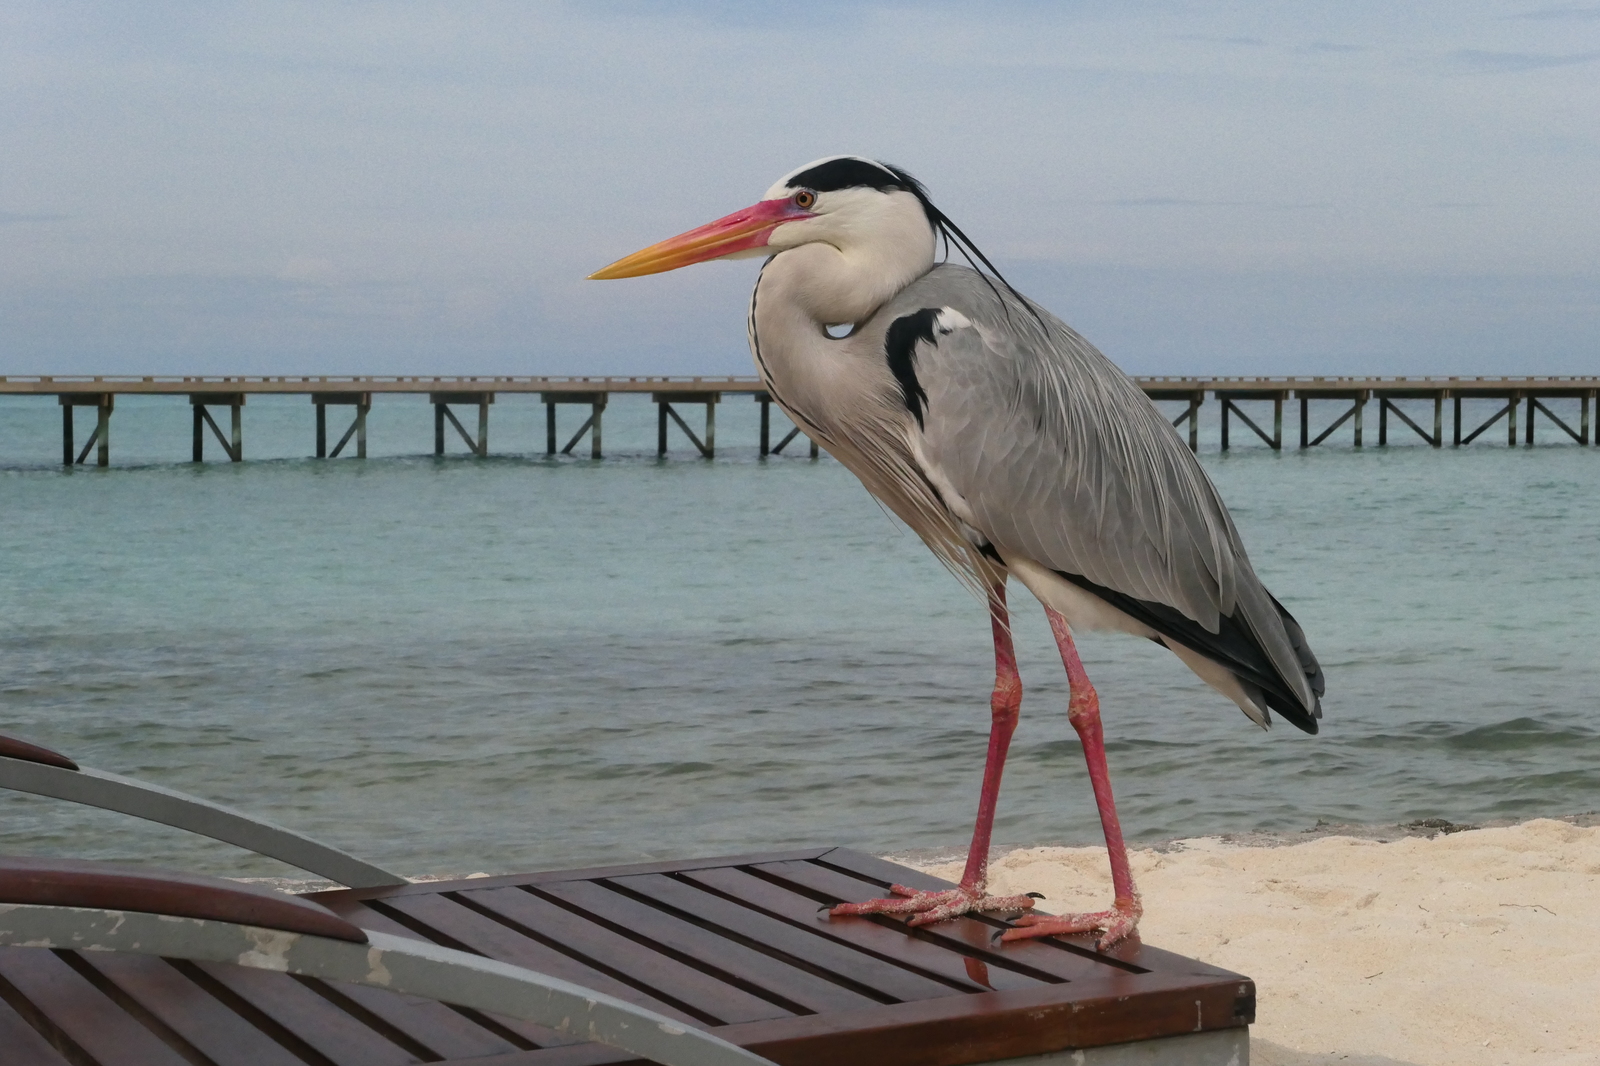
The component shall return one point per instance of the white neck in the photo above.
(840, 267)
(834, 269)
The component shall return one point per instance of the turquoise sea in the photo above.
(452, 665)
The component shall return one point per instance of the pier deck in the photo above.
(1528, 397)
(736, 946)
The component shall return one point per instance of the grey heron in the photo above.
(1012, 447)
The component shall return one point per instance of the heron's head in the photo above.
(850, 203)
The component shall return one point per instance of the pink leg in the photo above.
(1083, 711)
(1004, 707)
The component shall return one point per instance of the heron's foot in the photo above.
(1113, 925)
(927, 907)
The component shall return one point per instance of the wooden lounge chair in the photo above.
(738, 946)
(66, 905)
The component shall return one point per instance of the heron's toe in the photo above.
(929, 907)
(1114, 925)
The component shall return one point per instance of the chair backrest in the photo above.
(28, 767)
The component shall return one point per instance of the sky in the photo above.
(1199, 188)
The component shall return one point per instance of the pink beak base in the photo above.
(744, 229)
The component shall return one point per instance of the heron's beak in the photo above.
(738, 232)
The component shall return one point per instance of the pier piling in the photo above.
(1230, 407)
(1358, 401)
(101, 437)
(1509, 411)
(664, 410)
(362, 402)
(1579, 435)
(765, 400)
(232, 444)
(591, 426)
(1388, 403)
(1193, 397)
(441, 414)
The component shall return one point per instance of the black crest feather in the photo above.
(853, 172)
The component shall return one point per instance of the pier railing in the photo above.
(1532, 394)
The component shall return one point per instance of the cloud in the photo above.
(423, 187)
(1554, 14)
(1247, 42)
(1179, 201)
(1486, 62)
(1169, 201)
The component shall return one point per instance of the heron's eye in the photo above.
(805, 199)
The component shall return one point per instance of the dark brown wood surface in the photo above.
(740, 945)
(17, 748)
(80, 883)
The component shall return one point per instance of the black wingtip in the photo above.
(1293, 713)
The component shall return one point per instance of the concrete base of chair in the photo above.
(1230, 1047)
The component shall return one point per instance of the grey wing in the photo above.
(1060, 457)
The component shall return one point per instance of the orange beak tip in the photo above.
(739, 232)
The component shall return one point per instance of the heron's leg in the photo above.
(1005, 705)
(1083, 711)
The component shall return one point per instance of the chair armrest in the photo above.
(113, 887)
(17, 748)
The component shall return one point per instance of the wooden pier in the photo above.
(1329, 407)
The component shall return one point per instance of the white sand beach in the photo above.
(1476, 947)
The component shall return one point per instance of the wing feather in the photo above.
(1059, 456)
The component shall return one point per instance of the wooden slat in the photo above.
(312, 1019)
(22, 1043)
(961, 1030)
(488, 937)
(434, 888)
(189, 1010)
(996, 1026)
(889, 982)
(88, 1017)
(713, 1002)
(367, 918)
(888, 944)
(430, 1023)
(575, 1055)
(796, 989)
